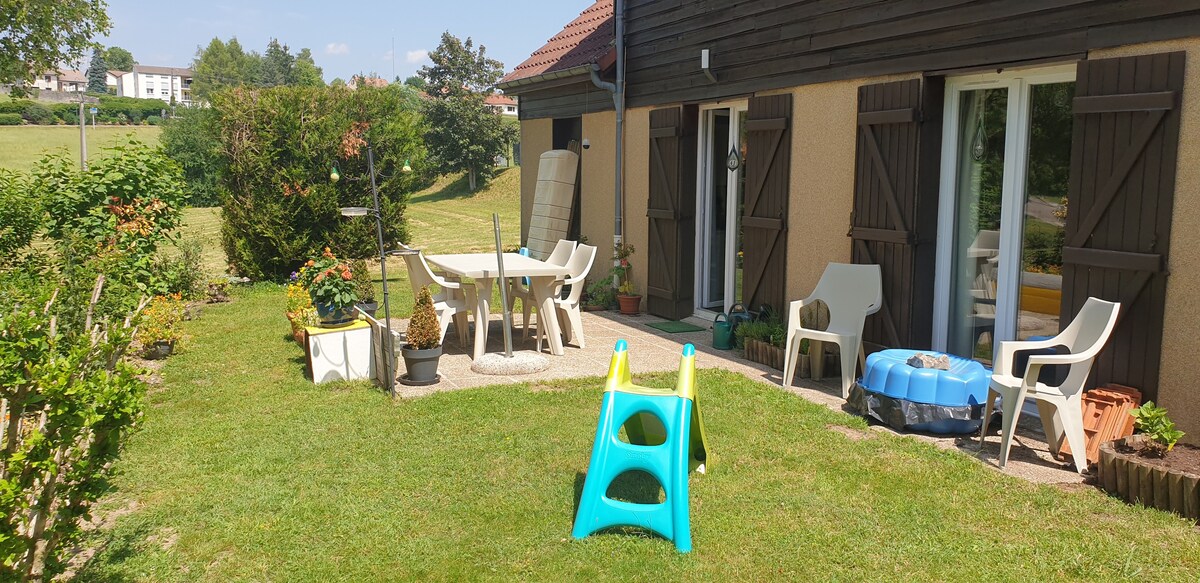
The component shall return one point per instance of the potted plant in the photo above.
(363, 287)
(627, 296)
(1150, 468)
(218, 291)
(600, 295)
(158, 326)
(331, 285)
(424, 342)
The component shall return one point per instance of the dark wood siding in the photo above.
(563, 101)
(1123, 158)
(894, 221)
(765, 207)
(671, 212)
(758, 45)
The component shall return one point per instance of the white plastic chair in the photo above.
(452, 303)
(852, 292)
(1059, 407)
(567, 309)
(559, 256)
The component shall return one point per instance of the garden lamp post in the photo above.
(362, 211)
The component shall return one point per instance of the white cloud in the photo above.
(337, 49)
(414, 57)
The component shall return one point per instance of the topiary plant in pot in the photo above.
(363, 287)
(424, 346)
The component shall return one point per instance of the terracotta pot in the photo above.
(1128, 476)
(630, 305)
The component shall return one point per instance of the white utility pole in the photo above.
(82, 135)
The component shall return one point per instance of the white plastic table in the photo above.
(484, 270)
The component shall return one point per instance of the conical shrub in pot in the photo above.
(424, 337)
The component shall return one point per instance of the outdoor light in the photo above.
(355, 211)
(405, 169)
(334, 176)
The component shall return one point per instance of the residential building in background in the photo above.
(170, 84)
(66, 80)
(501, 104)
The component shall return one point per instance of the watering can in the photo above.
(723, 331)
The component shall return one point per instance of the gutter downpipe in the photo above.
(618, 94)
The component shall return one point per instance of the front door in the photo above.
(721, 183)
(1005, 171)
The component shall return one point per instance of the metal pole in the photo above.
(503, 289)
(82, 135)
(387, 315)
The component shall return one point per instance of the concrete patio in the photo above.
(655, 351)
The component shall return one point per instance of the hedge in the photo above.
(10, 119)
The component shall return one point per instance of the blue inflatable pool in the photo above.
(922, 399)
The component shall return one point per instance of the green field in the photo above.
(22, 146)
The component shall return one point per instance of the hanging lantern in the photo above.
(334, 176)
(406, 168)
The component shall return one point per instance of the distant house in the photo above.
(63, 80)
(364, 81)
(501, 104)
(112, 79)
(170, 84)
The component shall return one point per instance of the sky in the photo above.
(346, 38)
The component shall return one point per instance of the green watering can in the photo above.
(722, 333)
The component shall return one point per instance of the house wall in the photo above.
(598, 167)
(536, 138)
(1177, 389)
(637, 192)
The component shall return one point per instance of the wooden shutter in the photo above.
(672, 212)
(1119, 201)
(764, 215)
(894, 221)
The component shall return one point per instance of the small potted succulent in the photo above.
(158, 326)
(363, 287)
(331, 285)
(627, 297)
(424, 342)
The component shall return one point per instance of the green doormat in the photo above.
(675, 327)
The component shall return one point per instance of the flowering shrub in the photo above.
(159, 321)
(329, 281)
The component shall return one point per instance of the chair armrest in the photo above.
(1009, 348)
(445, 283)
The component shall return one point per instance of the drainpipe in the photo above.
(618, 95)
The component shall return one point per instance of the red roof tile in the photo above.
(499, 99)
(585, 40)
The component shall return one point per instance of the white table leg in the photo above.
(483, 310)
(543, 294)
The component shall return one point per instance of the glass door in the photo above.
(721, 182)
(1005, 161)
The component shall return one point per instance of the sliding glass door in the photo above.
(721, 182)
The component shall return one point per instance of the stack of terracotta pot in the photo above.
(1106, 417)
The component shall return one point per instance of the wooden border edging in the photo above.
(1125, 476)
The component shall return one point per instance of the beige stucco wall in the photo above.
(637, 191)
(1177, 389)
(598, 168)
(537, 136)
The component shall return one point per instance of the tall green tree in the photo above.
(416, 82)
(221, 65)
(97, 72)
(39, 35)
(464, 134)
(306, 73)
(119, 59)
(276, 66)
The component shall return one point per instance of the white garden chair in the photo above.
(518, 287)
(567, 309)
(852, 292)
(452, 302)
(1059, 407)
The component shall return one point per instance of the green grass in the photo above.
(245, 471)
(22, 146)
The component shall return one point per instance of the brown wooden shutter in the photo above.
(765, 206)
(672, 212)
(1123, 157)
(894, 221)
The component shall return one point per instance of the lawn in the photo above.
(22, 146)
(245, 471)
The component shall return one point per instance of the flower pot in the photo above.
(329, 316)
(630, 304)
(422, 364)
(159, 350)
(368, 307)
(1152, 483)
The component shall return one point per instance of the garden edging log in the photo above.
(1130, 477)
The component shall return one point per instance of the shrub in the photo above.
(362, 281)
(39, 114)
(424, 330)
(131, 108)
(71, 402)
(159, 321)
(153, 120)
(329, 281)
(191, 138)
(279, 204)
(20, 215)
(16, 106)
(10, 119)
(602, 293)
(181, 273)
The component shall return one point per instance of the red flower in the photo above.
(346, 275)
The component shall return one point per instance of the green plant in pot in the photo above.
(1153, 421)
(424, 346)
(363, 287)
(627, 297)
(158, 326)
(331, 285)
(601, 295)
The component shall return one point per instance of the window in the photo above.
(149, 91)
(165, 92)
(163, 77)
(510, 108)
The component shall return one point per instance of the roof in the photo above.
(586, 40)
(499, 99)
(152, 70)
(72, 75)
(116, 73)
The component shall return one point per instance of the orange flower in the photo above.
(311, 263)
(346, 275)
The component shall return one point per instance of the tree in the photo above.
(192, 139)
(97, 72)
(119, 59)
(38, 35)
(306, 73)
(416, 82)
(337, 82)
(464, 135)
(276, 66)
(223, 65)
